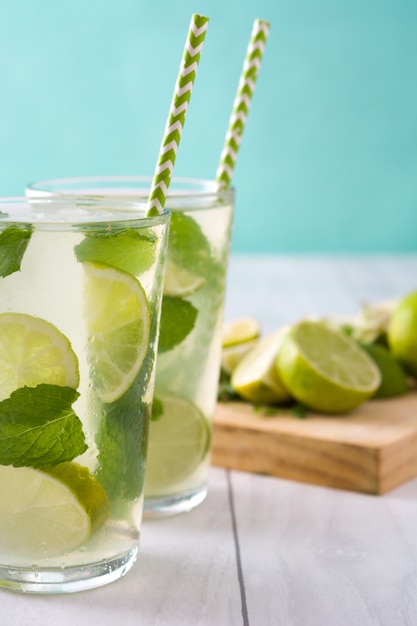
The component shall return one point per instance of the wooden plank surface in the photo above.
(371, 450)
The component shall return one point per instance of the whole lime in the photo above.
(402, 332)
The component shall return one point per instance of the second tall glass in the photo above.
(189, 353)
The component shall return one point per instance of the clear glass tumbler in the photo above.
(189, 353)
(80, 299)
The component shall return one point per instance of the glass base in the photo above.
(167, 506)
(68, 580)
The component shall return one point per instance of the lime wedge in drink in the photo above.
(33, 351)
(48, 513)
(178, 442)
(179, 281)
(240, 331)
(118, 322)
(256, 378)
(325, 369)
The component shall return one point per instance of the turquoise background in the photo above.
(328, 162)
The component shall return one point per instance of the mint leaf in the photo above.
(38, 427)
(127, 250)
(188, 246)
(122, 435)
(177, 321)
(122, 439)
(13, 244)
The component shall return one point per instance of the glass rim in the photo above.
(130, 210)
(197, 187)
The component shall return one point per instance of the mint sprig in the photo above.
(188, 246)
(122, 439)
(122, 435)
(38, 427)
(13, 243)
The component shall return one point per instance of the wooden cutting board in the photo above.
(371, 450)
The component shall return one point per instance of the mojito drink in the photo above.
(189, 353)
(80, 294)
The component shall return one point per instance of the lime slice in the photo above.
(33, 351)
(232, 355)
(178, 442)
(48, 513)
(402, 332)
(179, 281)
(325, 369)
(118, 322)
(256, 378)
(394, 379)
(240, 330)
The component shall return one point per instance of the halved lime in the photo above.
(48, 513)
(178, 441)
(179, 281)
(33, 351)
(240, 330)
(256, 378)
(325, 369)
(118, 324)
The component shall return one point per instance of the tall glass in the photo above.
(189, 352)
(80, 296)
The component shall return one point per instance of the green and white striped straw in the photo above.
(176, 117)
(242, 103)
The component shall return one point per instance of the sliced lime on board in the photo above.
(256, 378)
(240, 330)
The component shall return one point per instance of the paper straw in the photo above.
(177, 113)
(242, 102)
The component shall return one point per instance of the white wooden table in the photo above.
(263, 551)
